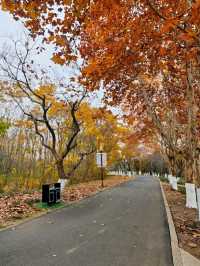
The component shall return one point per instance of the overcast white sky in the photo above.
(11, 29)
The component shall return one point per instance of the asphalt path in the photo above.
(122, 226)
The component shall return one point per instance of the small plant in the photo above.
(181, 189)
(164, 179)
(181, 181)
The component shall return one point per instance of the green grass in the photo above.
(41, 205)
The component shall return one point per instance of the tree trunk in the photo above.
(198, 170)
(189, 171)
(172, 165)
(60, 169)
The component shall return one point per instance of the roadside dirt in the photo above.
(19, 206)
(187, 229)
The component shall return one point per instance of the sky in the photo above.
(11, 29)
(15, 30)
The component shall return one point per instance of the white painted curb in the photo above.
(176, 252)
(188, 259)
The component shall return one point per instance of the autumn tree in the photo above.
(154, 43)
(51, 112)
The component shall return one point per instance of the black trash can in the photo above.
(57, 187)
(51, 193)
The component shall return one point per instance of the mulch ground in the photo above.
(83, 190)
(187, 229)
(19, 206)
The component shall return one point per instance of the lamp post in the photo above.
(101, 160)
(101, 156)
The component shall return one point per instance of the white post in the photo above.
(198, 202)
(63, 183)
(174, 183)
(170, 179)
(191, 200)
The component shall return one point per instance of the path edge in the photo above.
(176, 251)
